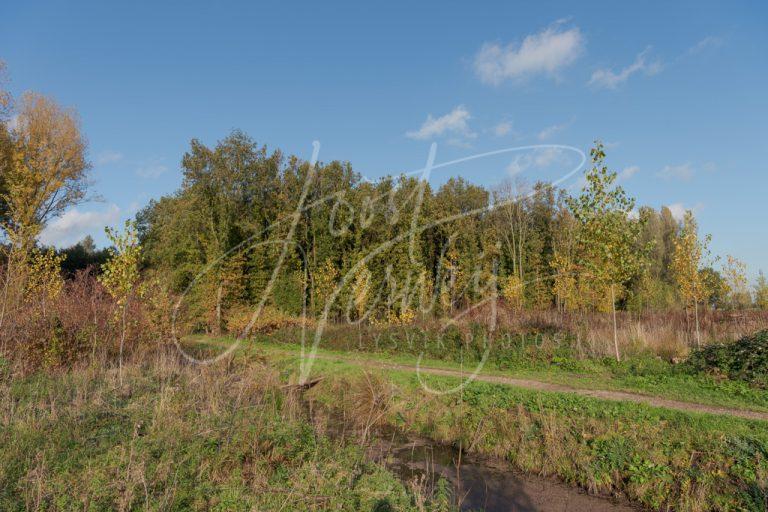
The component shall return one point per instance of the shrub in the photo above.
(746, 359)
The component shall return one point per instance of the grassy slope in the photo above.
(225, 437)
(645, 376)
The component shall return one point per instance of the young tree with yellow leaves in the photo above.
(686, 267)
(512, 291)
(361, 291)
(761, 291)
(737, 288)
(120, 274)
(43, 279)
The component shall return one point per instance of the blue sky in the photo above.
(677, 90)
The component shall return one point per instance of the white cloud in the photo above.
(502, 128)
(547, 156)
(454, 122)
(458, 143)
(517, 165)
(550, 131)
(71, 227)
(539, 158)
(678, 210)
(610, 80)
(152, 169)
(108, 157)
(705, 44)
(628, 172)
(542, 53)
(682, 172)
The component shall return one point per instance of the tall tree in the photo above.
(46, 170)
(6, 153)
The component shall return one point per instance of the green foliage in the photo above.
(120, 273)
(429, 252)
(608, 256)
(745, 359)
(82, 255)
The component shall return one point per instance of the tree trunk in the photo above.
(217, 325)
(698, 334)
(122, 341)
(615, 332)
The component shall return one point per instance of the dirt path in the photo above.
(619, 396)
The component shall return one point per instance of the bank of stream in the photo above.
(477, 483)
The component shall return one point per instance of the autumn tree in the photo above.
(361, 291)
(46, 171)
(512, 212)
(512, 290)
(6, 153)
(686, 267)
(43, 171)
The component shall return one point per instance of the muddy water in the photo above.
(478, 483)
(483, 484)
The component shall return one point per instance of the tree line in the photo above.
(318, 239)
(397, 247)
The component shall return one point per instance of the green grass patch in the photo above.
(646, 375)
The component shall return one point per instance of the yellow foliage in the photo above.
(565, 285)
(361, 290)
(737, 289)
(46, 171)
(239, 317)
(44, 276)
(324, 284)
(686, 261)
(120, 273)
(158, 304)
(512, 291)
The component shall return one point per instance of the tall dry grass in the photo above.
(668, 334)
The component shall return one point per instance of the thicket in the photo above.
(746, 359)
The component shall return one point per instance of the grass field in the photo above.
(656, 457)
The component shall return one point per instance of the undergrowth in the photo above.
(746, 359)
